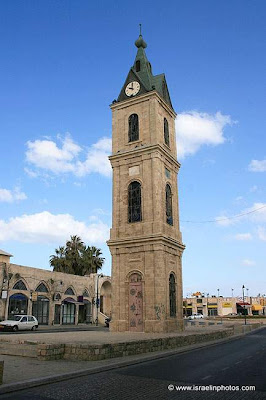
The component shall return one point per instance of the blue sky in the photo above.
(62, 64)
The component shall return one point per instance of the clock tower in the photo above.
(145, 240)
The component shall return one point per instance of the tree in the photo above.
(75, 258)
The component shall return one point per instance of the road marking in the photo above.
(223, 369)
(238, 362)
(206, 377)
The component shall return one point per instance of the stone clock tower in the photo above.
(145, 243)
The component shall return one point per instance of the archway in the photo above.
(17, 304)
(105, 298)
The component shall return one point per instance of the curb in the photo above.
(30, 383)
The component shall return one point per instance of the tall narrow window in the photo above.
(166, 132)
(172, 295)
(134, 202)
(137, 65)
(168, 205)
(133, 128)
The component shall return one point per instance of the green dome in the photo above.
(140, 42)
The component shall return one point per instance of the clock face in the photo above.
(132, 88)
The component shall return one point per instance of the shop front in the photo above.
(69, 311)
(17, 304)
(40, 310)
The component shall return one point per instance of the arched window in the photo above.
(70, 291)
(137, 65)
(172, 295)
(134, 202)
(133, 128)
(168, 205)
(41, 288)
(166, 132)
(85, 293)
(20, 285)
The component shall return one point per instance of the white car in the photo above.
(20, 322)
(195, 316)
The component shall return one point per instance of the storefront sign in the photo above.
(4, 294)
(227, 305)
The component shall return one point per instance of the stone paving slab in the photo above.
(100, 337)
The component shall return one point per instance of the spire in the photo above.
(140, 42)
(141, 71)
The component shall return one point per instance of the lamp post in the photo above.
(97, 298)
(218, 291)
(207, 304)
(243, 288)
(232, 293)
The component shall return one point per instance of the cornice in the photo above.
(142, 150)
(138, 99)
(152, 239)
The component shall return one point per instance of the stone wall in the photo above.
(89, 352)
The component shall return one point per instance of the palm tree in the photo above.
(74, 250)
(59, 261)
(75, 258)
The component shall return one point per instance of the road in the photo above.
(236, 363)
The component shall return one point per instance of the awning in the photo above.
(70, 300)
(214, 306)
(256, 307)
(247, 305)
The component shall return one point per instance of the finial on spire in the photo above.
(140, 42)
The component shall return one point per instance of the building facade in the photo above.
(52, 297)
(145, 239)
(222, 306)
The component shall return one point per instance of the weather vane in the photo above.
(140, 29)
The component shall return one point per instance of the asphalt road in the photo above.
(234, 363)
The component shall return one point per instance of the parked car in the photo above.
(195, 316)
(20, 322)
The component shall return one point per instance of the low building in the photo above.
(52, 297)
(222, 306)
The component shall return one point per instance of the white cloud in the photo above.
(47, 155)
(9, 196)
(253, 189)
(248, 262)
(262, 233)
(243, 236)
(257, 166)
(256, 213)
(45, 227)
(195, 129)
(97, 159)
(222, 220)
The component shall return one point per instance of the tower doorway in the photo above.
(135, 303)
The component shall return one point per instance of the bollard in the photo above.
(1, 372)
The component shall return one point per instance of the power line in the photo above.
(225, 218)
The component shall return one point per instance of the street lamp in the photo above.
(97, 298)
(243, 288)
(207, 304)
(218, 291)
(232, 293)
